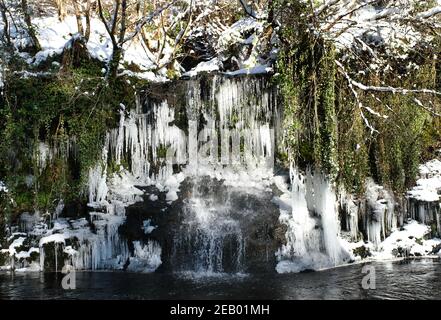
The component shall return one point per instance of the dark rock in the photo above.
(436, 249)
(75, 210)
(255, 216)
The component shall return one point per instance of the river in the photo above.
(406, 279)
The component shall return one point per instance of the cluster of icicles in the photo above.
(312, 243)
(241, 109)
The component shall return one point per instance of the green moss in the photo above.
(161, 152)
(323, 126)
(307, 84)
(77, 106)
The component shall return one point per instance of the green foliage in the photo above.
(71, 112)
(323, 125)
(406, 137)
(307, 84)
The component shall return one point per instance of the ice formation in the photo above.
(238, 114)
(309, 211)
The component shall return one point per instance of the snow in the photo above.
(236, 30)
(70, 251)
(27, 254)
(428, 186)
(147, 227)
(54, 34)
(258, 69)
(13, 246)
(172, 185)
(204, 66)
(53, 238)
(376, 25)
(411, 238)
(429, 13)
(3, 187)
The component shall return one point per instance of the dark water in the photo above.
(415, 279)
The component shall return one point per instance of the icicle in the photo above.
(307, 246)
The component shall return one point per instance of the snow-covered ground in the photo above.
(53, 35)
(428, 186)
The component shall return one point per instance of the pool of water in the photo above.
(411, 279)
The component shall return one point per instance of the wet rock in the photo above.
(436, 249)
(242, 236)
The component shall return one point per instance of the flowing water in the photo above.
(412, 279)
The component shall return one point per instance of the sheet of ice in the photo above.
(305, 239)
(147, 257)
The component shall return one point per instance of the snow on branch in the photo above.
(355, 93)
(394, 90)
(352, 83)
(429, 13)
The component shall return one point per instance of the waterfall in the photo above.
(210, 238)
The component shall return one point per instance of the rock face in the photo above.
(226, 230)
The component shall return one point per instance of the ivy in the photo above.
(71, 112)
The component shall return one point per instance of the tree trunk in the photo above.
(30, 27)
(87, 15)
(78, 18)
(61, 9)
(6, 35)
(114, 63)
